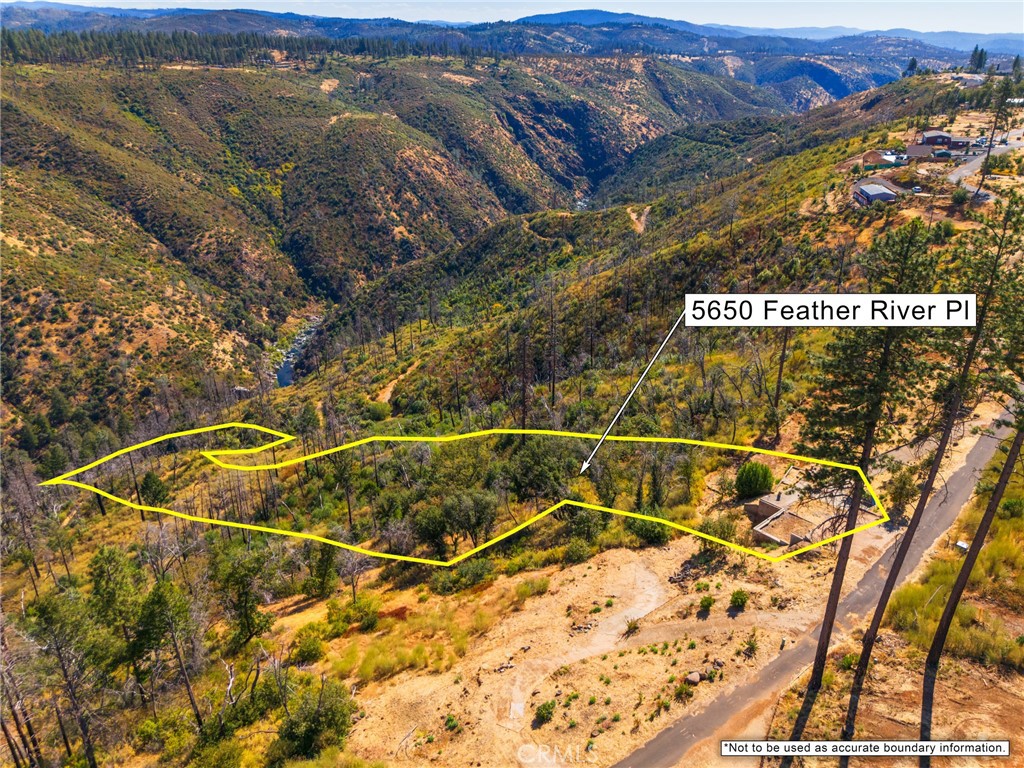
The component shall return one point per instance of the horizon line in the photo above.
(104, 6)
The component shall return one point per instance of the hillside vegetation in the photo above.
(261, 188)
(487, 243)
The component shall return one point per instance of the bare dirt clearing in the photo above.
(639, 222)
(384, 396)
(972, 702)
(570, 646)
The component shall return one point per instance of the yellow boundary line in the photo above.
(282, 438)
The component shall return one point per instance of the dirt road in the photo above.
(642, 592)
(748, 701)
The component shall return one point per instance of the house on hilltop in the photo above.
(936, 138)
(920, 152)
(969, 80)
(870, 192)
(873, 159)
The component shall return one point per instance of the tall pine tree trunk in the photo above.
(970, 559)
(828, 621)
(777, 398)
(953, 406)
(952, 409)
(71, 688)
(838, 575)
(12, 747)
(867, 449)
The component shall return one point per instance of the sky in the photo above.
(1005, 16)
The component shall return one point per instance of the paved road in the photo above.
(973, 166)
(672, 744)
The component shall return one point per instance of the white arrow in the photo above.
(636, 386)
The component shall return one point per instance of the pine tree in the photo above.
(165, 617)
(979, 56)
(322, 575)
(241, 576)
(1006, 358)
(117, 594)
(979, 268)
(866, 375)
(79, 650)
(1000, 114)
(153, 489)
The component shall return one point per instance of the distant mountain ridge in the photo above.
(582, 32)
(804, 73)
(589, 18)
(142, 13)
(53, 16)
(806, 33)
(960, 41)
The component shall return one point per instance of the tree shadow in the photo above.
(800, 725)
(898, 520)
(931, 673)
(706, 562)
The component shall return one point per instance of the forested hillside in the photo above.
(716, 150)
(265, 187)
(803, 73)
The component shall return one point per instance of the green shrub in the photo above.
(587, 524)
(753, 479)
(943, 231)
(721, 527)
(849, 661)
(576, 551)
(468, 573)
(650, 533)
(530, 587)
(246, 711)
(320, 718)
(308, 646)
(683, 691)
(364, 611)
(377, 411)
(706, 602)
(545, 712)
(226, 754)
(738, 600)
(902, 489)
(749, 647)
(960, 196)
(170, 734)
(1011, 509)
